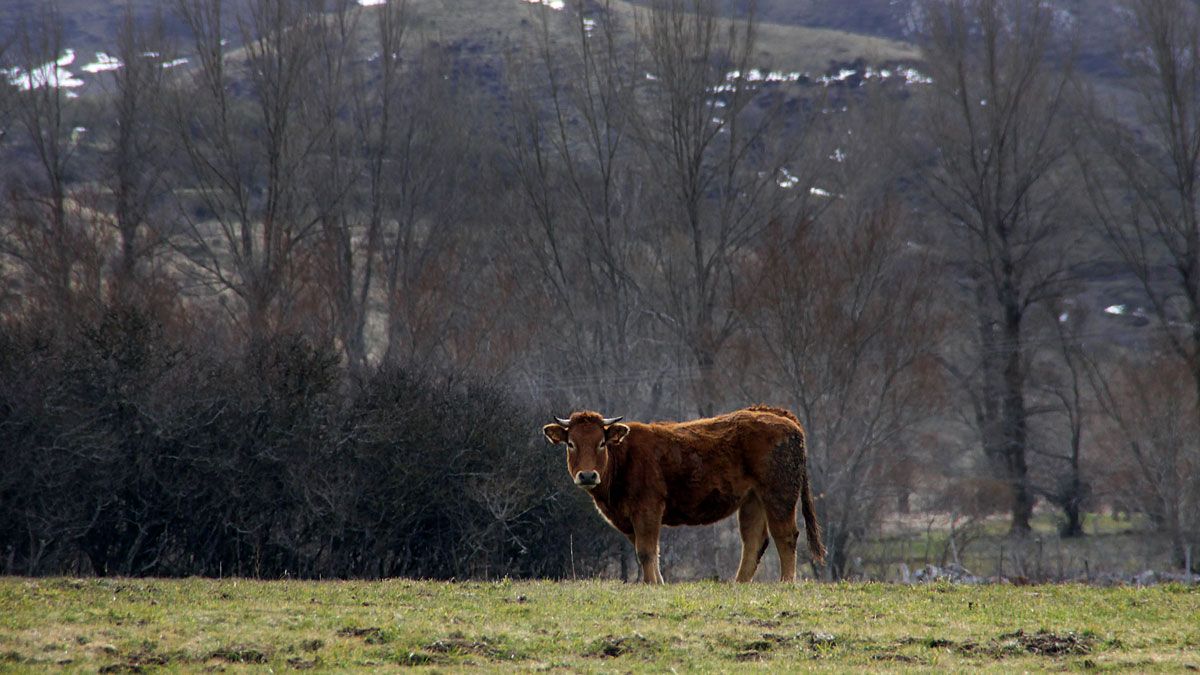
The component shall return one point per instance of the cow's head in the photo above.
(588, 437)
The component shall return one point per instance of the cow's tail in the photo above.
(811, 528)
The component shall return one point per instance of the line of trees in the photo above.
(297, 305)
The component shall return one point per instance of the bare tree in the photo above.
(45, 233)
(440, 204)
(579, 180)
(7, 89)
(7, 95)
(1061, 385)
(848, 329)
(245, 148)
(846, 326)
(995, 123)
(1154, 440)
(1145, 180)
(135, 165)
(355, 99)
(714, 162)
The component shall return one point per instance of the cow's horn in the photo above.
(612, 420)
(562, 421)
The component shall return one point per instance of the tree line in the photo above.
(299, 305)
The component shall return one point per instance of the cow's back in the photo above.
(706, 468)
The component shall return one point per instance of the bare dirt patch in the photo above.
(136, 662)
(372, 635)
(457, 643)
(1045, 643)
(240, 654)
(1041, 643)
(756, 650)
(300, 663)
(612, 646)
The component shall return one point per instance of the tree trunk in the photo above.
(1015, 422)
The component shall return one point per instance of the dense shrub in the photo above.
(125, 451)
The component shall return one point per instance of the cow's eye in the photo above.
(600, 448)
(570, 445)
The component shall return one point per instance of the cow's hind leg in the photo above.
(779, 495)
(752, 521)
(785, 533)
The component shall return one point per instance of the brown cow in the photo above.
(644, 476)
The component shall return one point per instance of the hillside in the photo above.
(487, 29)
(817, 37)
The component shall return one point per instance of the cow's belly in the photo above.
(703, 507)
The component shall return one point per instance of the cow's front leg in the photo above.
(645, 541)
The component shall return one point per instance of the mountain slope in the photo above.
(489, 27)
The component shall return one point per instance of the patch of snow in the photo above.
(1116, 310)
(882, 74)
(652, 77)
(910, 75)
(54, 75)
(372, 3)
(838, 156)
(842, 75)
(1062, 318)
(103, 63)
(589, 25)
(755, 75)
(552, 4)
(175, 63)
(914, 76)
(788, 181)
(818, 192)
(780, 76)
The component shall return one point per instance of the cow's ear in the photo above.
(555, 433)
(615, 433)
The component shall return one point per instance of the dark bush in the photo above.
(127, 452)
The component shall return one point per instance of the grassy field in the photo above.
(1110, 548)
(123, 625)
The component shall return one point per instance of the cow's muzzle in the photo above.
(587, 479)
